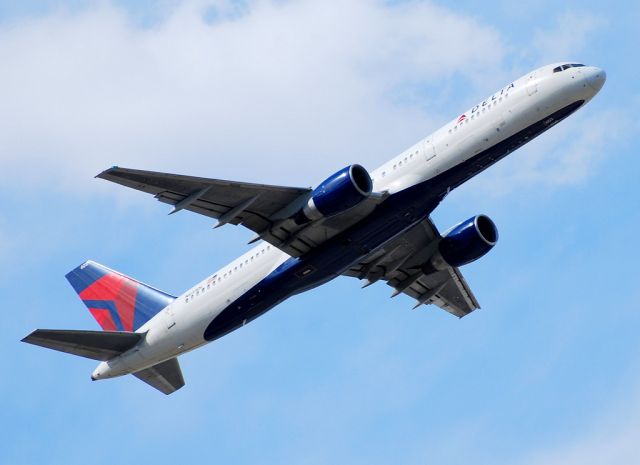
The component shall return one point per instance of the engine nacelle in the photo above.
(468, 241)
(338, 193)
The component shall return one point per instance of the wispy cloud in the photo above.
(204, 90)
(568, 36)
(569, 154)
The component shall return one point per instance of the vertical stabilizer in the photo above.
(116, 301)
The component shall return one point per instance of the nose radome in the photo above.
(596, 78)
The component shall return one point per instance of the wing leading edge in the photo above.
(252, 205)
(399, 263)
(267, 210)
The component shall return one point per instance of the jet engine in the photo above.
(338, 193)
(467, 241)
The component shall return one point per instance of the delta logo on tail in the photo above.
(117, 302)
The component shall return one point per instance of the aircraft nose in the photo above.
(595, 78)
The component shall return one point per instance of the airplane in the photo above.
(374, 226)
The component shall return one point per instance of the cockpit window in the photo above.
(557, 69)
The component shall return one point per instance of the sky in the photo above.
(288, 92)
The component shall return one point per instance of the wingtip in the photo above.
(103, 174)
(27, 338)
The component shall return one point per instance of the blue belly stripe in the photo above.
(395, 215)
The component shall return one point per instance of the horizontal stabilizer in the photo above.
(97, 345)
(166, 377)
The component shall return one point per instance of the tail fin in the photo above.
(117, 302)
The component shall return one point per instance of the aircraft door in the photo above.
(532, 84)
(429, 150)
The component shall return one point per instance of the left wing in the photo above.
(400, 263)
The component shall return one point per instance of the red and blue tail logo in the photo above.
(117, 302)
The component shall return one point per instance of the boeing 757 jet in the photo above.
(373, 226)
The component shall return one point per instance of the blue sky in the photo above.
(286, 93)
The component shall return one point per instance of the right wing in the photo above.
(266, 210)
(214, 198)
(166, 377)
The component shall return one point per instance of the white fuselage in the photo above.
(532, 98)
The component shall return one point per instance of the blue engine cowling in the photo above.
(339, 192)
(468, 241)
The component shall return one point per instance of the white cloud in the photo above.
(295, 89)
(566, 155)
